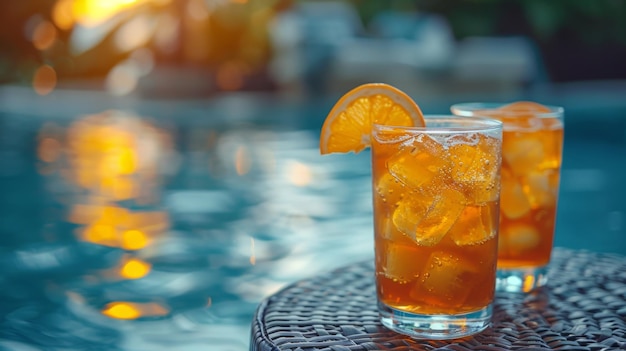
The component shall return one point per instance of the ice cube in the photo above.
(552, 139)
(409, 213)
(513, 201)
(541, 188)
(475, 166)
(428, 220)
(402, 262)
(418, 163)
(475, 225)
(387, 230)
(390, 190)
(522, 151)
(447, 277)
(520, 237)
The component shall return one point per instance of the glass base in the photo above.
(521, 280)
(435, 327)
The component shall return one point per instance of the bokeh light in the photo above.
(44, 80)
(134, 268)
(115, 154)
(134, 310)
(44, 35)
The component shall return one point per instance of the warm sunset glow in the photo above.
(242, 161)
(44, 35)
(131, 310)
(135, 269)
(90, 13)
(44, 80)
(94, 12)
(62, 14)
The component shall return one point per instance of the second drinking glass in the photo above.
(531, 161)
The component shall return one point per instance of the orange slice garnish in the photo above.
(348, 126)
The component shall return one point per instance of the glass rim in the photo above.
(458, 124)
(470, 109)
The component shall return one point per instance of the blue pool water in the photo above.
(160, 225)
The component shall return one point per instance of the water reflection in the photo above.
(116, 156)
(166, 236)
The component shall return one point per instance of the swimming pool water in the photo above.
(159, 226)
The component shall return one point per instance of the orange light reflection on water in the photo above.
(116, 157)
(133, 310)
(119, 227)
(135, 268)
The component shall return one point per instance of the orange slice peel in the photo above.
(348, 126)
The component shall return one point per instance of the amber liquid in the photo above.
(530, 181)
(436, 221)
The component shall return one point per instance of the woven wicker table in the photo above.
(583, 307)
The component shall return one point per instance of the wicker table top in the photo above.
(583, 307)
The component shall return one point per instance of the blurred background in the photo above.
(159, 163)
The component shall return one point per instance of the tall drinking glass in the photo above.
(531, 161)
(435, 195)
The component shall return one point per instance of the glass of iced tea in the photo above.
(531, 161)
(435, 193)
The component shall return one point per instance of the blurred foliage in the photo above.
(207, 33)
(18, 57)
(577, 39)
(590, 22)
(236, 38)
